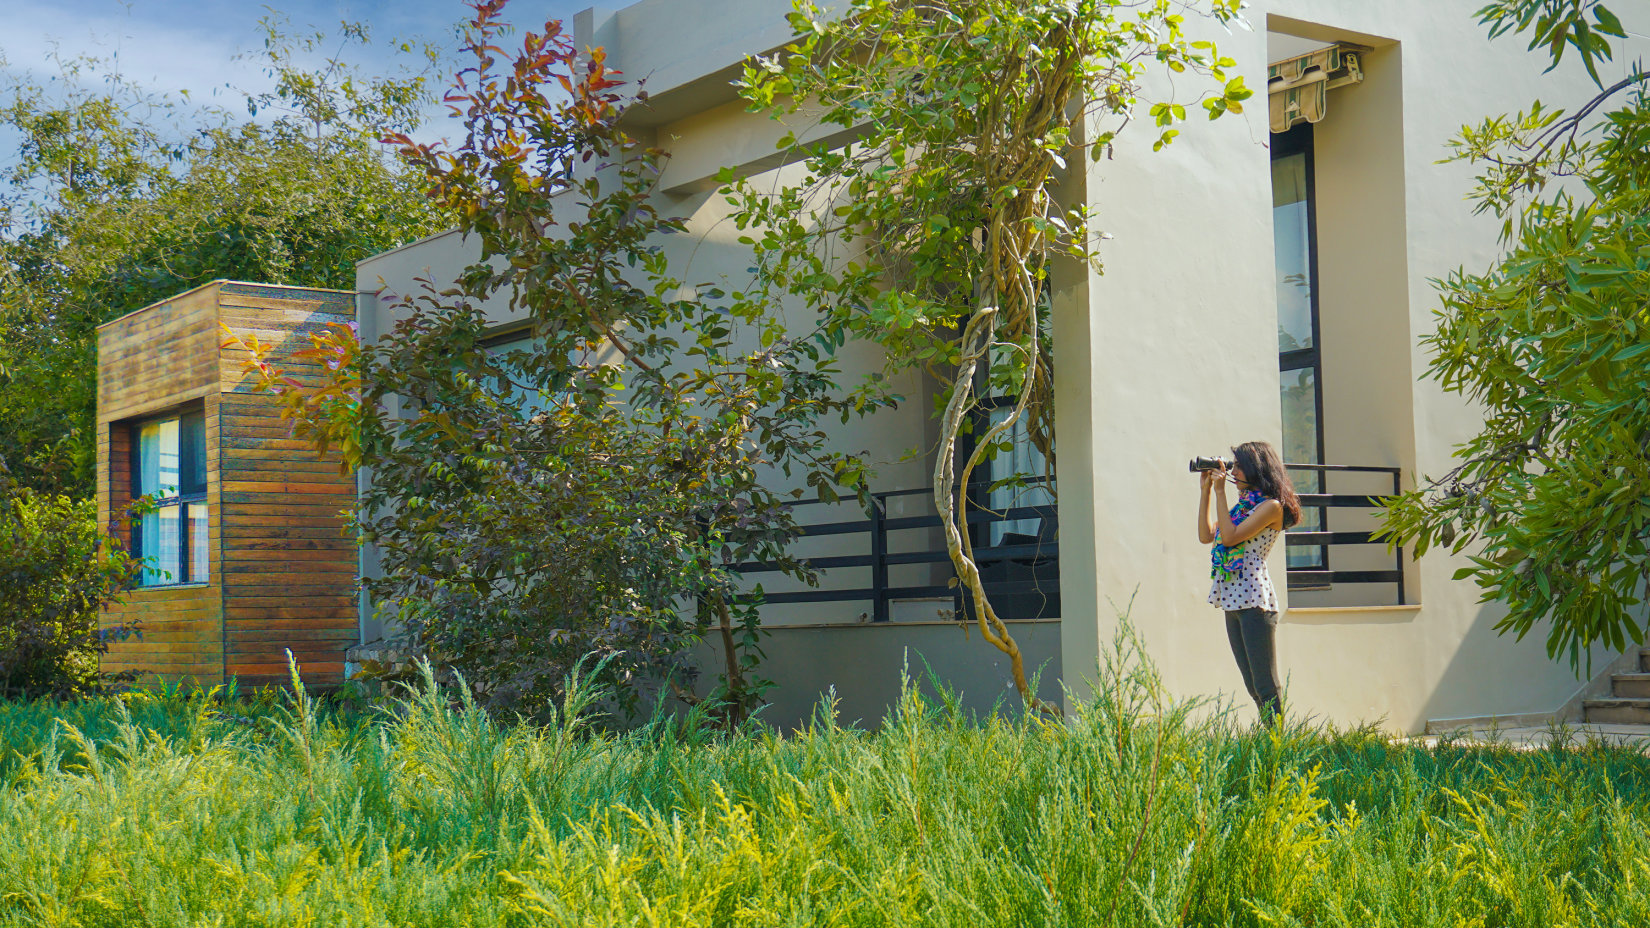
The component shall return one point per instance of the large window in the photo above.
(1017, 476)
(1014, 481)
(1294, 230)
(169, 467)
(1020, 462)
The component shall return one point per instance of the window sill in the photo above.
(1410, 607)
(1350, 615)
(167, 587)
(928, 623)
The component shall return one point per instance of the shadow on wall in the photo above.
(863, 663)
(1494, 674)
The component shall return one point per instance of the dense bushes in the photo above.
(56, 571)
(1132, 813)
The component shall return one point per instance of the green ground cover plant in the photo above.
(185, 810)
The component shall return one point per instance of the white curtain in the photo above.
(1025, 461)
(160, 533)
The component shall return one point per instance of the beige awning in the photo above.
(1297, 88)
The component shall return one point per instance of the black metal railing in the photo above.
(1318, 579)
(1020, 573)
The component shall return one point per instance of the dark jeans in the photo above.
(1251, 632)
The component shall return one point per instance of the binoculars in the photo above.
(1201, 464)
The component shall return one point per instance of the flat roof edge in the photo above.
(162, 301)
(455, 230)
(218, 283)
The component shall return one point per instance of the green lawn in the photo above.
(1129, 814)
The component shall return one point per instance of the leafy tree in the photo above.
(56, 573)
(1553, 341)
(587, 487)
(106, 209)
(967, 111)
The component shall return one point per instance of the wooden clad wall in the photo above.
(288, 566)
(281, 572)
(160, 359)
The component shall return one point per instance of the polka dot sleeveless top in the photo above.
(1250, 586)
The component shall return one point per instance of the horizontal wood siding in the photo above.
(158, 357)
(151, 362)
(281, 571)
(288, 565)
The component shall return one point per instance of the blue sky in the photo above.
(172, 45)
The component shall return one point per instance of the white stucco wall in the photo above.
(1181, 355)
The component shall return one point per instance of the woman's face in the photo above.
(1239, 477)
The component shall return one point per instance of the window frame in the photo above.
(978, 490)
(1298, 140)
(183, 502)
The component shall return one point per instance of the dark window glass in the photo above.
(1294, 245)
(192, 455)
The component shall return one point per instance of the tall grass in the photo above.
(1137, 811)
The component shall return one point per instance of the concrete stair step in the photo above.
(1631, 685)
(1618, 710)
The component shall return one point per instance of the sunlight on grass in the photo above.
(174, 809)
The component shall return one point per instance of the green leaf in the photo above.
(1608, 23)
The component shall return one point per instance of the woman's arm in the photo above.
(1269, 512)
(1205, 512)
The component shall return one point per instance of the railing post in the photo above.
(879, 559)
(701, 608)
(1397, 487)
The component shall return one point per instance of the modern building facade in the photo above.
(1266, 278)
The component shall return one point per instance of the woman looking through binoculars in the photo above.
(1243, 536)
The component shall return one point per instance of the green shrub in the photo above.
(56, 571)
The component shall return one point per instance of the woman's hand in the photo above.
(1217, 478)
(1205, 508)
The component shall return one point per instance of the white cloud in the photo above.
(167, 46)
(167, 53)
(206, 47)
